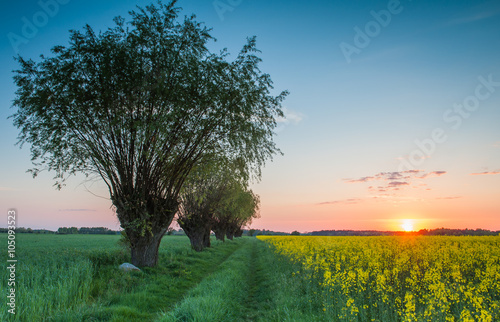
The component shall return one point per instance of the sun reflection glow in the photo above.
(407, 225)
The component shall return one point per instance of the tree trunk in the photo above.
(229, 234)
(220, 234)
(144, 252)
(199, 235)
(238, 232)
(206, 239)
(145, 219)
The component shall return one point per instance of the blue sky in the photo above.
(349, 116)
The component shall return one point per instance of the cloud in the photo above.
(475, 16)
(77, 210)
(393, 181)
(496, 144)
(448, 198)
(290, 117)
(398, 183)
(432, 174)
(350, 201)
(363, 179)
(485, 173)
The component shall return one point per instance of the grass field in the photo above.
(75, 278)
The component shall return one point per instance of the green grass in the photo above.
(253, 284)
(76, 278)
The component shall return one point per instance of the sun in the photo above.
(407, 225)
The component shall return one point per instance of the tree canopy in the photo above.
(139, 105)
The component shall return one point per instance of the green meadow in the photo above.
(76, 278)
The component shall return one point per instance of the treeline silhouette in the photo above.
(65, 231)
(422, 232)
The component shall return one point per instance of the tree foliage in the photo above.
(139, 105)
(239, 206)
(215, 198)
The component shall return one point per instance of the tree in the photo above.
(201, 196)
(239, 207)
(295, 233)
(138, 106)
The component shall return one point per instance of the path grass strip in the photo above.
(218, 297)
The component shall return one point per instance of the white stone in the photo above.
(126, 267)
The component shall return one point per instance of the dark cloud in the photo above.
(398, 183)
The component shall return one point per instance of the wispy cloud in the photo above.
(344, 201)
(496, 144)
(290, 118)
(449, 198)
(474, 16)
(432, 174)
(77, 210)
(485, 173)
(397, 180)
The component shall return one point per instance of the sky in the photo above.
(392, 121)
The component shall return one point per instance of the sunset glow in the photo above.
(407, 225)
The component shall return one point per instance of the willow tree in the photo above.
(215, 198)
(201, 196)
(239, 207)
(139, 105)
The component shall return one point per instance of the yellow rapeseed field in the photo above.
(400, 278)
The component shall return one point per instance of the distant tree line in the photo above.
(86, 231)
(457, 232)
(256, 232)
(65, 231)
(422, 232)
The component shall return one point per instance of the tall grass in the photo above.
(55, 274)
(48, 285)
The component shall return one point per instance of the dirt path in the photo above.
(258, 300)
